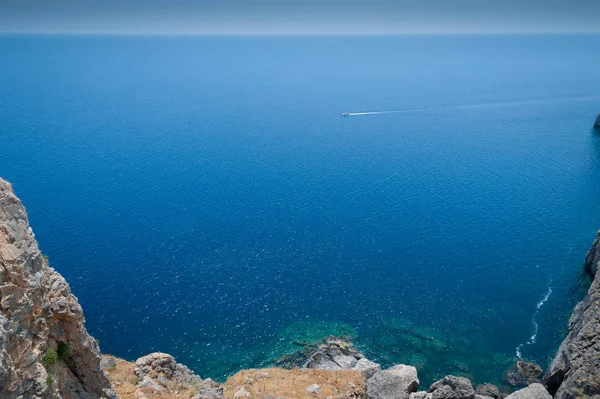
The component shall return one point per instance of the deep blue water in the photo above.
(205, 197)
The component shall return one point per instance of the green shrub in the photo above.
(49, 379)
(62, 351)
(46, 259)
(50, 356)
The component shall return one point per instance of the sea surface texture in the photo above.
(205, 197)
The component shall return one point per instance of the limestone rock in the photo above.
(487, 390)
(163, 364)
(322, 362)
(397, 382)
(574, 370)
(418, 395)
(533, 391)
(38, 313)
(314, 388)
(367, 367)
(451, 387)
(162, 370)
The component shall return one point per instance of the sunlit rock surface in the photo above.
(45, 350)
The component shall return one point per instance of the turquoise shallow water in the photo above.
(205, 197)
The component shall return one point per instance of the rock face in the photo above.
(574, 371)
(397, 382)
(45, 350)
(160, 372)
(336, 354)
(533, 391)
(451, 387)
(488, 390)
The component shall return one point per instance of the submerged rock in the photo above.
(533, 391)
(528, 370)
(597, 123)
(513, 379)
(574, 370)
(397, 382)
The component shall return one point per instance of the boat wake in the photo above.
(478, 106)
(533, 337)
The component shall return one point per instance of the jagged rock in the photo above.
(418, 395)
(148, 382)
(163, 364)
(397, 382)
(321, 361)
(533, 391)
(528, 370)
(574, 370)
(451, 387)
(108, 362)
(344, 361)
(367, 367)
(37, 312)
(488, 390)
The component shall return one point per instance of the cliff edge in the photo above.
(45, 350)
(575, 371)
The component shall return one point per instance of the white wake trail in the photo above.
(533, 337)
(481, 105)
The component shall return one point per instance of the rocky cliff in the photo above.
(575, 371)
(45, 350)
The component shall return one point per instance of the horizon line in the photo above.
(307, 34)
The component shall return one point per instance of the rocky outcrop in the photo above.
(160, 372)
(574, 371)
(523, 374)
(45, 350)
(451, 387)
(397, 382)
(489, 390)
(336, 354)
(533, 391)
(157, 376)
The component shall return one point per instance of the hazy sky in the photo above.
(299, 17)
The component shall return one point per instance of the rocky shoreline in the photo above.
(46, 352)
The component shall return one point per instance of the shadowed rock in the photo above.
(488, 390)
(451, 387)
(574, 370)
(597, 123)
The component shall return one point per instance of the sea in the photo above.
(205, 196)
